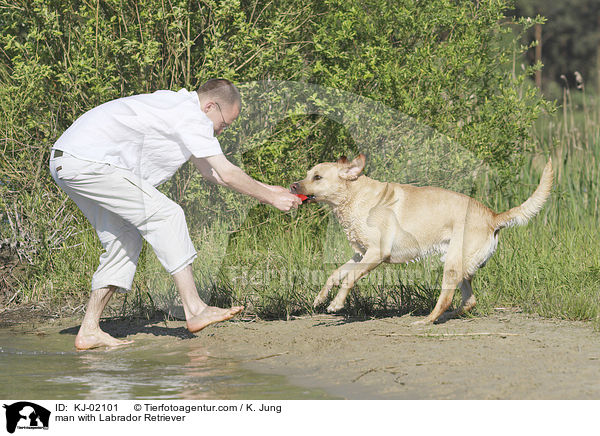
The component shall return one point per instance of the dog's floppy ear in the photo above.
(343, 160)
(352, 171)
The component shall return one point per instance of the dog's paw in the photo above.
(423, 321)
(318, 301)
(335, 306)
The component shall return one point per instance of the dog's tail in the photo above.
(521, 214)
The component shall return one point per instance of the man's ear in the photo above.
(206, 106)
(353, 170)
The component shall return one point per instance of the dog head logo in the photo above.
(26, 415)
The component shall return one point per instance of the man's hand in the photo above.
(284, 200)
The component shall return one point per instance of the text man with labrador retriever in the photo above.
(109, 163)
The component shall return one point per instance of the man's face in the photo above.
(221, 114)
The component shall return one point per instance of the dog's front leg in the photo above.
(335, 279)
(371, 259)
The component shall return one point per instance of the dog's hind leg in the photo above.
(453, 275)
(468, 299)
(449, 283)
(370, 260)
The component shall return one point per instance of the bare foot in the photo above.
(96, 338)
(211, 315)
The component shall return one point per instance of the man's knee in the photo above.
(177, 212)
(170, 211)
(128, 242)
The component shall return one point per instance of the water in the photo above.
(46, 366)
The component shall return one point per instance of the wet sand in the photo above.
(507, 355)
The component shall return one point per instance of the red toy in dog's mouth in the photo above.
(305, 198)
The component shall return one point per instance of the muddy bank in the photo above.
(506, 355)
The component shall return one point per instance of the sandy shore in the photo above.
(507, 355)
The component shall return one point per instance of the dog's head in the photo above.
(329, 181)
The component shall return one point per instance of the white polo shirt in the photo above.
(149, 134)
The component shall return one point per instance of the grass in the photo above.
(551, 266)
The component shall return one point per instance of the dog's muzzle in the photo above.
(305, 198)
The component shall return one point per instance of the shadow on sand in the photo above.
(120, 327)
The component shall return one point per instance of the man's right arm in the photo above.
(207, 171)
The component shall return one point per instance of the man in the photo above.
(109, 163)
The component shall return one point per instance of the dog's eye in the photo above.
(317, 177)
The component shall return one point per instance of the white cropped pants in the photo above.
(123, 208)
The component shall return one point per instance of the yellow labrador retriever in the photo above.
(394, 223)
